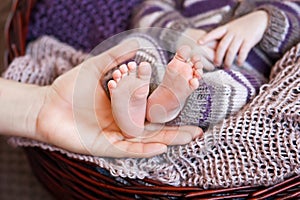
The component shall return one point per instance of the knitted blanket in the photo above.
(260, 145)
(82, 24)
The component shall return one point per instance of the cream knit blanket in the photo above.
(260, 145)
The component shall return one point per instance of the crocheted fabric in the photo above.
(82, 24)
(260, 145)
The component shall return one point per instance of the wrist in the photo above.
(37, 100)
(275, 30)
(21, 104)
(263, 17)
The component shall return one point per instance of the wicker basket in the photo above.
(68, 178)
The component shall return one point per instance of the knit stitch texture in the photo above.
(260, 145)
(82, 24)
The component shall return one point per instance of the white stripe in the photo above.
(246, 82)
(147, 20)
(210, 17)
(212, 20)
(294, 6)
(239, 98)
(188, 3)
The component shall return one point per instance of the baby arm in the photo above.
(176, 30)
(283, 26)
(281, 31)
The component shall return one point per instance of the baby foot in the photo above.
(179, 81)
(128, 92)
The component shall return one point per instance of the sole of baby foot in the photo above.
(179, 81)
(129, 90)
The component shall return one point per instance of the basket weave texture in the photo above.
(69, 178)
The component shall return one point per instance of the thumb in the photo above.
(114, 56)
(113, 144)
(168, 135)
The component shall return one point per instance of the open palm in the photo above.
(76, 114)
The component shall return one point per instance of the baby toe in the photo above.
(183, 53)
(117, 75)
(144, 71)
(132, 67)
(194, 83)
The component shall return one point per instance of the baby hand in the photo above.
(204, 53)
(237, 37)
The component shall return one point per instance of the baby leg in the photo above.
(129, 91)
(179, 81)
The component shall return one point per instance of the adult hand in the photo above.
(237, 37)
(76, 113)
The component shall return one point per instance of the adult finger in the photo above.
(243, 53)
(213, 35)
(113, 144)
(222, 48)
(121, 149)
(232, 51)
(177, 135)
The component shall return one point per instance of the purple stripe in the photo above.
(208, 27)
(204, 6)
(252, 80)
(289, 34)
(150, 10)
(279, 5)
(162, 21)
(236, 78)
(203, 121)
(290, 12)
(258, 63)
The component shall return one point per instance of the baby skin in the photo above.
(180, 80)
(129, 90)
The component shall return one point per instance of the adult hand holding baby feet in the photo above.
(74, 113)
(180, 80)
(129, 90)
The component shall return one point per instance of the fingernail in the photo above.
(199, 133)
